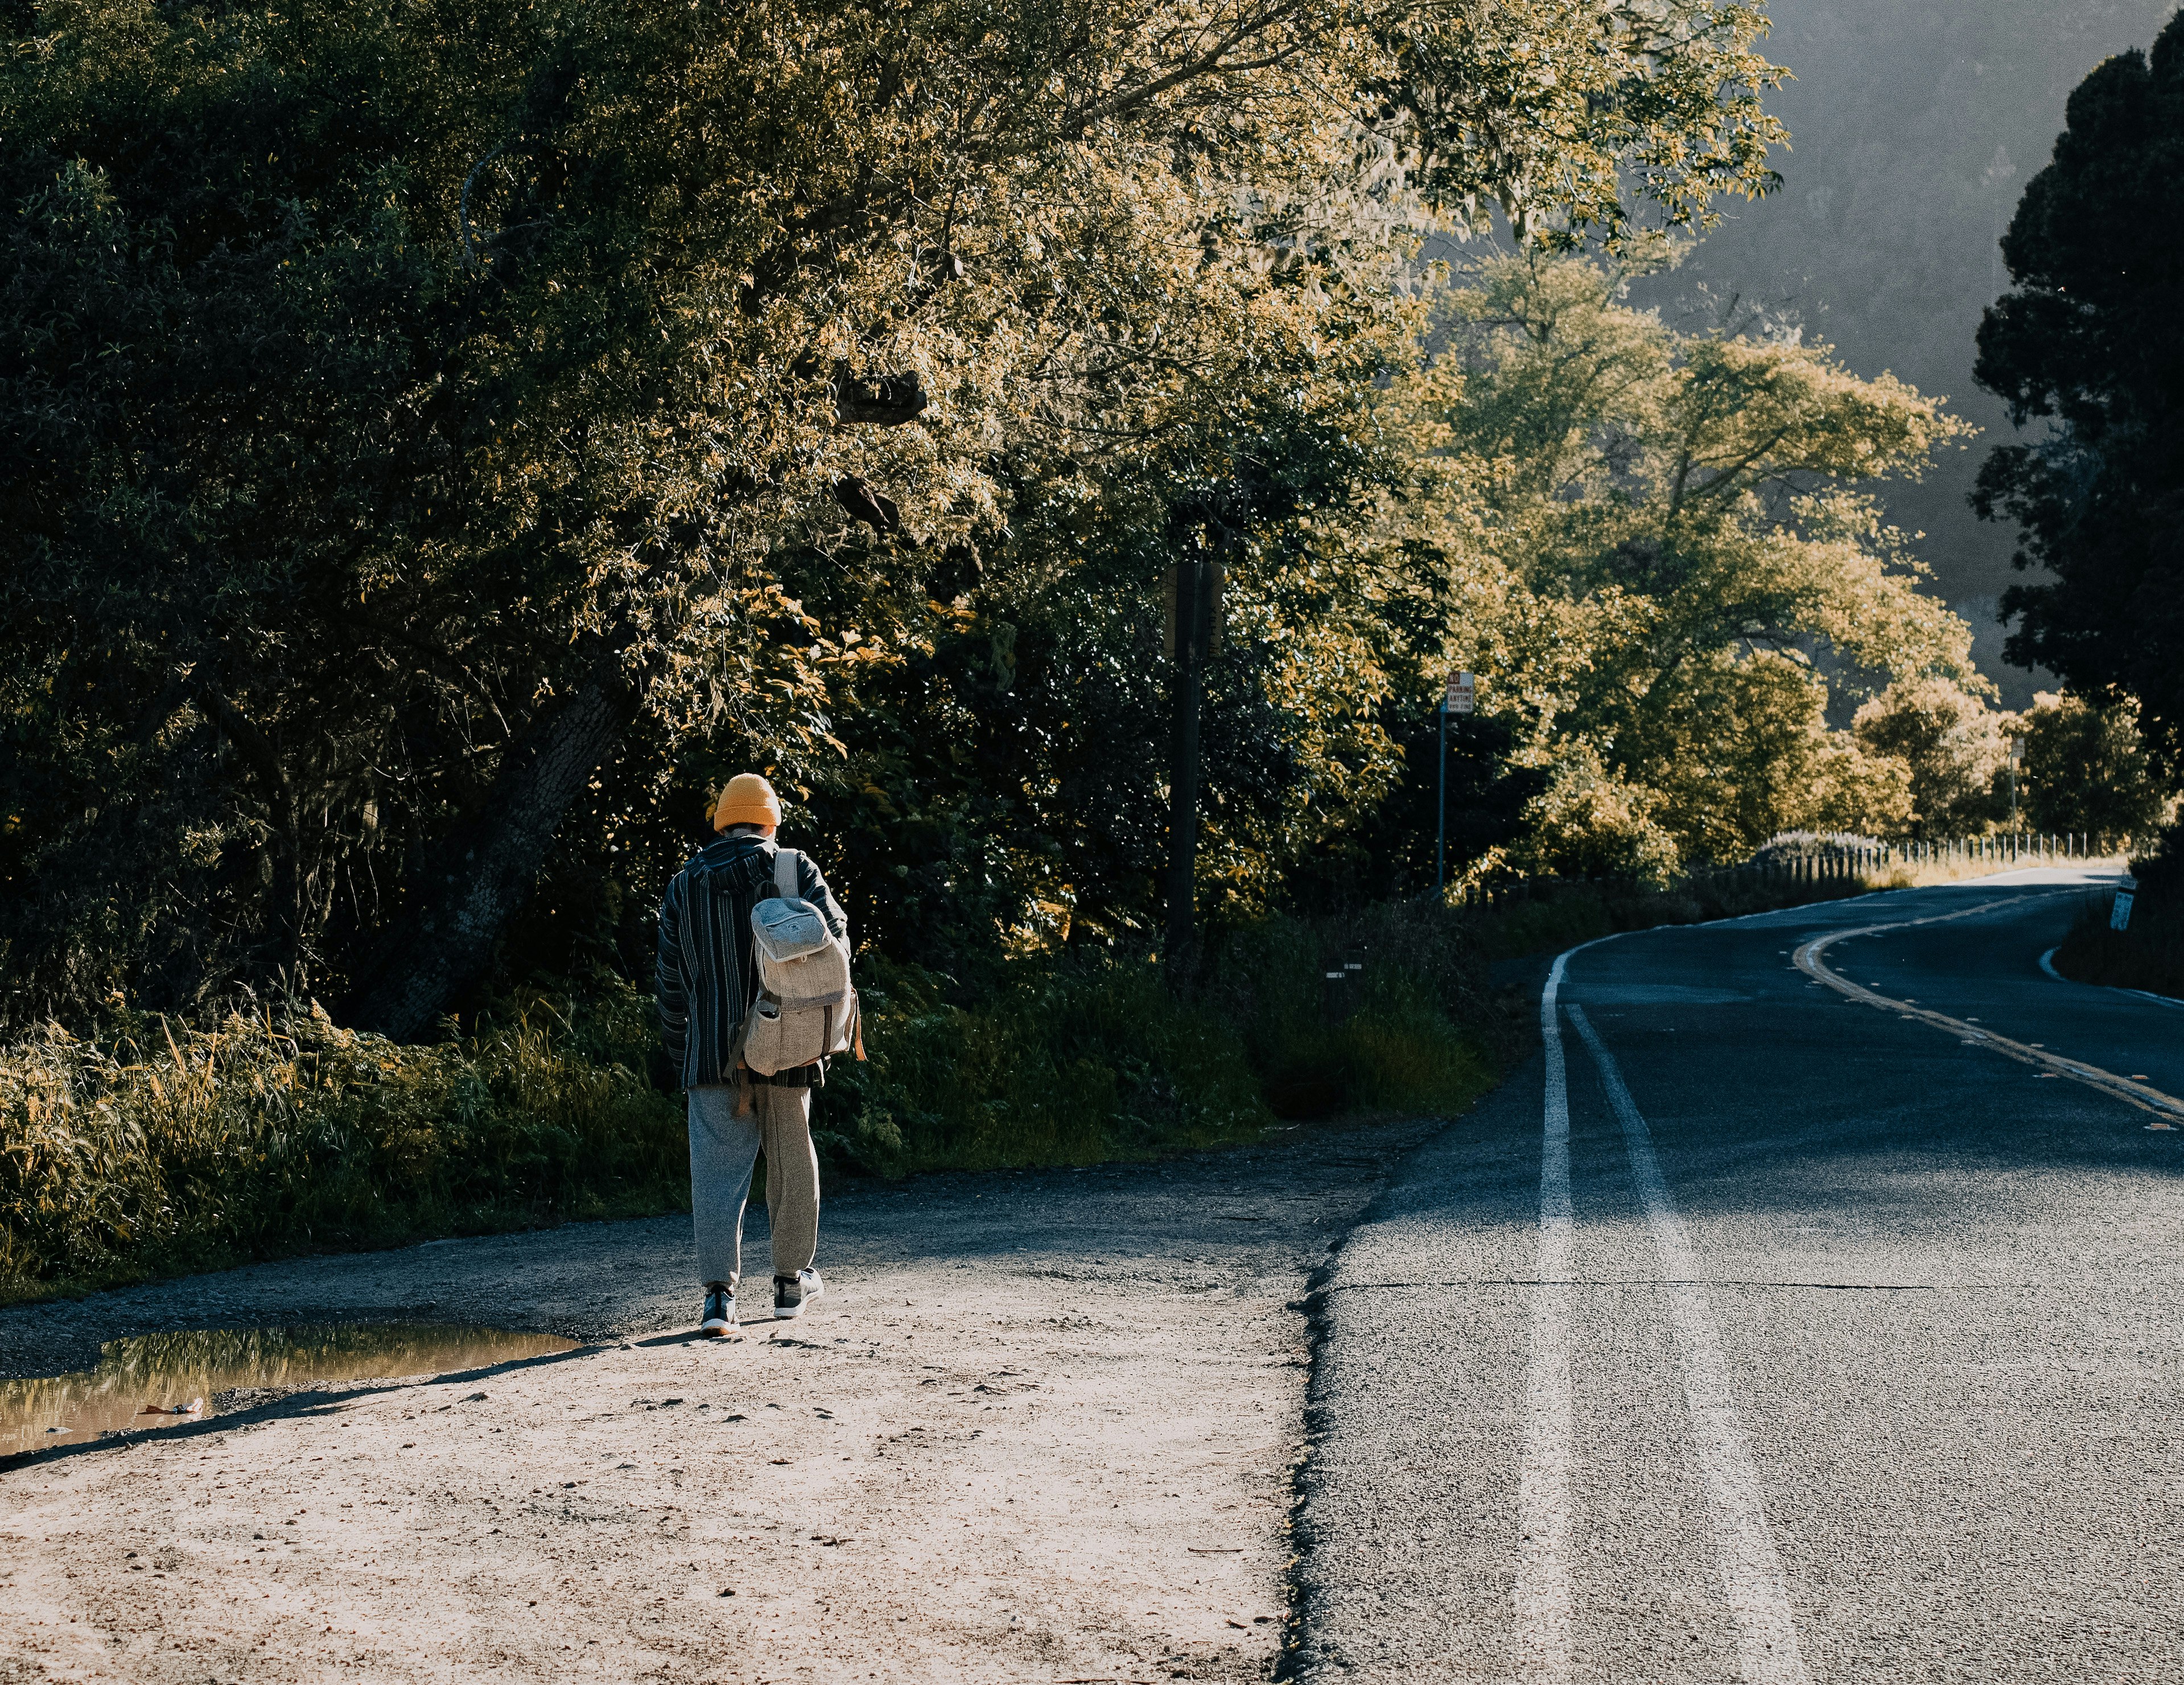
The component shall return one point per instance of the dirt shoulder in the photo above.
(1043, 1427)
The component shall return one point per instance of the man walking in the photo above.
(708, 979)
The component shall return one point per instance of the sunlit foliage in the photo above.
(2087, 769)
(1662, 564)
(435, 428)
(1956, 749)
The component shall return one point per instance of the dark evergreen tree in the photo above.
(2091, 341)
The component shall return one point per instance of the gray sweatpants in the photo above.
(722, 1149)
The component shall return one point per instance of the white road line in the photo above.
(1543, 1482)
(2048, 965)
(1751, 1575)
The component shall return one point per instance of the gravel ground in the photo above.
(1044, 1426)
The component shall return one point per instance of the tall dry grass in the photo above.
(163, 1147)
(157, 1146)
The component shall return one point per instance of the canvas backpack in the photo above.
(806, 1008)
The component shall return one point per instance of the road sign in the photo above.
(1461, 694)
(2120, 910)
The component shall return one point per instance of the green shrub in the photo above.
(1407, 1057)
(1387, 1009)
(1064, 1061)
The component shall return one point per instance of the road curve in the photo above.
(1808, 1311)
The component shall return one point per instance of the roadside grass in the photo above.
(2148, 955)
(1080, 1059)
(1558, 916)
(1063, 1062)
(157, 1147)
(1924, 876)
(164, 1148)
(160, 1148)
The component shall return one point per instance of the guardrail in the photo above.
(1821, 862)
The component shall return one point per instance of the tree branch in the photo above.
(463, 208)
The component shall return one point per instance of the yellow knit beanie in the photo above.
(749, 800)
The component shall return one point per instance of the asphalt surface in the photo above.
(1846, 1348)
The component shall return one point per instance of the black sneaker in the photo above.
(792, 1293)
(719, 1319)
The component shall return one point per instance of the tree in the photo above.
(1651, 540)
(410, 409)
(1013, 777)
(1957, 749)
(2086, 769)
(2090, 340)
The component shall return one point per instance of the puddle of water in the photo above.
(161, 1379)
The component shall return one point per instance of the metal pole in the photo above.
(1440, 833)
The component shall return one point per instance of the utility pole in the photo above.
(2016, 755)
(1193, 629)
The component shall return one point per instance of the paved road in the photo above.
(1760, 1333)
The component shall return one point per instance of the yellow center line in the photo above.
(1810, 962)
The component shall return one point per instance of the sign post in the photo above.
(1460, 699)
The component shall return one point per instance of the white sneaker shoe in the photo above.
(792, 1293)
(720, 1317)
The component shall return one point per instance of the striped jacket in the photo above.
(708, 972)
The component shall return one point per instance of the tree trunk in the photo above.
(480, 878)
(284, 936)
